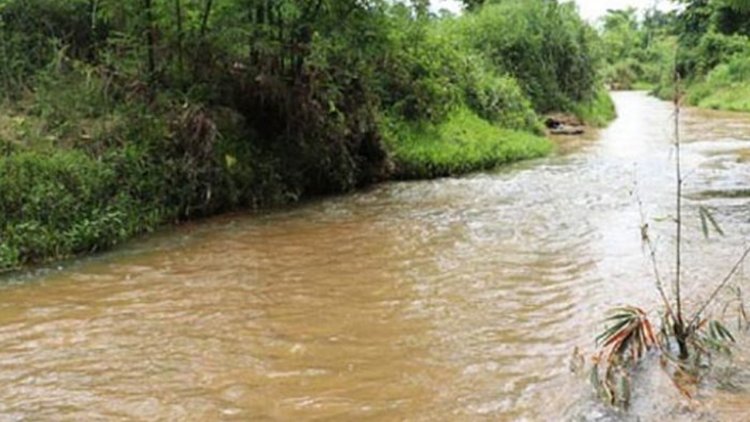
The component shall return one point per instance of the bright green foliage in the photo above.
(429, 74)
(421, 76)
(726, 87)
(620, 35)
(498, 99)
(598, 111)
(621, 41)
(463, 143)
(707, 43)
(714, 49)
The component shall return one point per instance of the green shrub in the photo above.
(420, 75)
(714, 49)
(635, 49)
(431, 74)
(623, 74)
(498, 99)
(61, 203)
(735, 69)
(544, 45)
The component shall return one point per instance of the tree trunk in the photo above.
(150, 41)
(206, 14)
(180, 53)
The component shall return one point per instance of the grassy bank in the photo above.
(734, 97)
(598, 111)
(726, 87)
(61, 202)
(119, 118)
(462, 143)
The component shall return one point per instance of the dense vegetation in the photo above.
(707, 42)
(119, 116)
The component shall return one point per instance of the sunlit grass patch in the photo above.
(727, 87)
(597, 112)
(462, 143)
(735, 97)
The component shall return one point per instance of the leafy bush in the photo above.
(635, 49)
(432, 74)
(498, 99)
(715, 48)
(420, 74)
(736, 69)
(624, 74)
(598, 111)
(61, 203)
(544, 45)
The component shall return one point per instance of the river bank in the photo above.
(717, 94)
(116, 119)
(59, 203)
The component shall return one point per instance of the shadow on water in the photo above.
(452, 299)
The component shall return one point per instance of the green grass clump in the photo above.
(644, 86)
(598, 111)
(62, 202)
(464, 142)
(727, 87)
(735, 97)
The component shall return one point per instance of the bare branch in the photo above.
(652, 252)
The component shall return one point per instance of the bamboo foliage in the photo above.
(686, 344)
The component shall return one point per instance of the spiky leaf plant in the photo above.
(625, 341)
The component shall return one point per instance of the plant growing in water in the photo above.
(685, 342)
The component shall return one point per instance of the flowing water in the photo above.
(454, 299)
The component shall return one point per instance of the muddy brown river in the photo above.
(454, 299)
